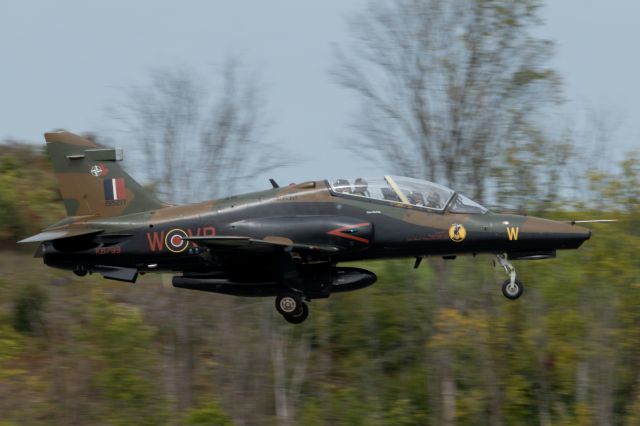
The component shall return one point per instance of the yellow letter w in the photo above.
(512, 232)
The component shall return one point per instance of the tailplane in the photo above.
(92, 182)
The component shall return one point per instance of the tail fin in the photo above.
(91, 181)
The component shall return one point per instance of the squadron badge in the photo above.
(457, 233)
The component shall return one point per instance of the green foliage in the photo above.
(618, 191)
(527, 76)
(402, 412)
(28, 309)
(207, 414)
(29, 199)
(121, 345)
(532, 174)
(11, 347)
(349, 407)
(311, 413)
(567, 353)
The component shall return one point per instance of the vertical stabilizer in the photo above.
(91, 180)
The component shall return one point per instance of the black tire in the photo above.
(300, 317)
(512, 292)
(289, 304)
(80, 272)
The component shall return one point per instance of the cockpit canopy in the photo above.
(409, 191)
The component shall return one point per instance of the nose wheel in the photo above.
(511, 288)
(292, 307)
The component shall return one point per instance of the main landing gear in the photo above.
(511, 288)
(292, 307)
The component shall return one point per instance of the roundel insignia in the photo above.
(96, 170)
(175, 241)
(457, 233)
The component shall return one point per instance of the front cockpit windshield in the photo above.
(409, 191)
(462, 204)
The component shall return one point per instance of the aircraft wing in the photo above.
(56, 234)
(251, 244)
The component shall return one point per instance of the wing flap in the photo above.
(247, 243)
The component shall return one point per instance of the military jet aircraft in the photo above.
(284, 242)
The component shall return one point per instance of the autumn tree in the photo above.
(444, 86)
(445, 89)
(196, 137)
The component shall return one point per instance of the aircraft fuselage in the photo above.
(359, 229)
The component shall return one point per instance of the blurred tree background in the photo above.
(454, 91)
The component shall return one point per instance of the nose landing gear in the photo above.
(511, 288)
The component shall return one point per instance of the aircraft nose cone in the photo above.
(554, 234)
(573, 235)
(585, 233)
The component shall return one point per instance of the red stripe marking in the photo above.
(339, 232)
(120, 195)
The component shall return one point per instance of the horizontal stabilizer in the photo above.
(56, 234)
(247, 243)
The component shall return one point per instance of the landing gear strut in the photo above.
(292, 307)
(511, 288)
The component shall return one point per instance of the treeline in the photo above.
(454, 92)
(403, 352)
(29, 199)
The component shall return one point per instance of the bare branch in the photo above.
(444, 85)
(197, 138)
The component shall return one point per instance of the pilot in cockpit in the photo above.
(416, 198)
(342, 185)
(433, 200)
(360, 187)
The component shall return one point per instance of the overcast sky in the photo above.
(64, 61)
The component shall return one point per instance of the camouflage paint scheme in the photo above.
(281, 240)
